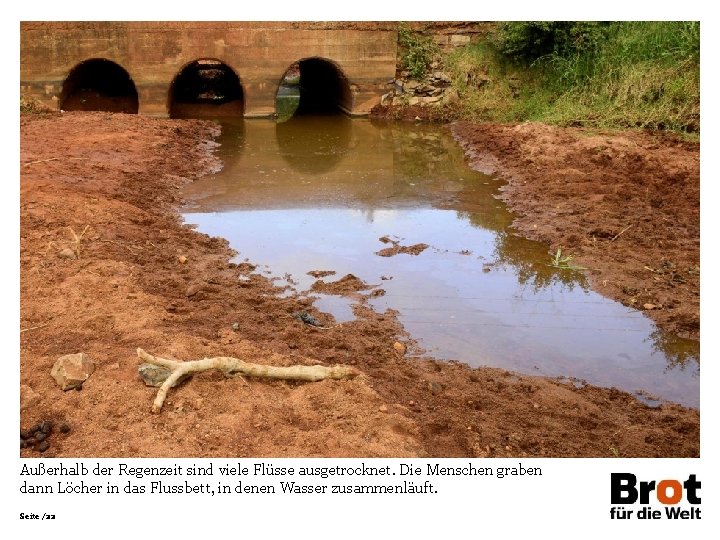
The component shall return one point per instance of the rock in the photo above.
(436, 92)
(236, 326)
(386, 99)
(398, 101)
(28, 397)
(451, 96)
(414, 101)
(411, 85)
(72, 370)
(193, 289)
(457, 40)
(425, 90)
(67, 253)
(182, 259)
(400, 349)
(648, 306)
(153, 375)
(441, 76)
(429, 100)
(383, 408)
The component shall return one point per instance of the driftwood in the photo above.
(236, 367)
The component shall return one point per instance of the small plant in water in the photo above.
(563, 262)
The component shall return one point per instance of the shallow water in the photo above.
(319, 193)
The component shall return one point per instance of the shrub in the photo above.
(417, 51)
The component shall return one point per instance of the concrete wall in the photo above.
(153, 53)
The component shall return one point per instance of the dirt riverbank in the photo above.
(625, 205)
(107, 266)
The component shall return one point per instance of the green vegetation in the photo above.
(563, 262)
(285, 107)
(604, 74)
(417, 51)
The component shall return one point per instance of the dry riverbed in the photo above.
(107, 266)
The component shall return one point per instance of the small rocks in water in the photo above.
(400, 349)
(67, 253)
(72, 370)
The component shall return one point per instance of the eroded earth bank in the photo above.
(107, 266)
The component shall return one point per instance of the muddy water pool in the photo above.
(329, 193)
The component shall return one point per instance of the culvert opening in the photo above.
(313, 86)
(206, 88)
(99, 85)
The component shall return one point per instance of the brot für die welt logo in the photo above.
(680, 499)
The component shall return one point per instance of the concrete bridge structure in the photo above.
(205, 68)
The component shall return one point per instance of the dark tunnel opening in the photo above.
(99, 85)
(313, 86)
(206, 88)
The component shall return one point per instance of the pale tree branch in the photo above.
(235, 366)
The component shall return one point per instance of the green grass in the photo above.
(563, 262)
(285, 107)
(626, 74)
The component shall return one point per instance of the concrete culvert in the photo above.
(206, 88)
(313, 86)
(99, 85)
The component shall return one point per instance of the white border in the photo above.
(571, 499)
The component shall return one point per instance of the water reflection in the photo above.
(480, 293)
(533, 267)
(314, 144)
